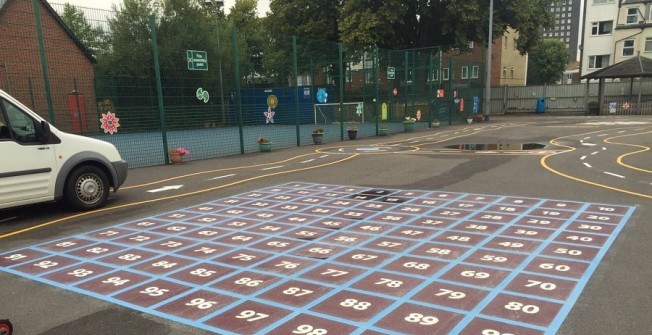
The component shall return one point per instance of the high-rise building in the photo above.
(568, 20)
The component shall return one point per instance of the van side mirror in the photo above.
(43, 132)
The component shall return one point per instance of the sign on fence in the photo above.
(197, 60)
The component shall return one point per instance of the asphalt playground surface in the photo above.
(520, 225)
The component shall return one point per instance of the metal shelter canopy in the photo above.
(635, 67)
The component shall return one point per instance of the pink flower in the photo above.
(110, 123)
(183, 151)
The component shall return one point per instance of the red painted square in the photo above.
(152, 293)
(432, 222)
(246, 282)
(460, 238)
(247, 318)
(420, 320)
(352, 306)
(260, 204)
(343, 203)
(177, 216)
(264, 215)
(128, 257)
(387, 283)
(410, 194)
(480, 198)
(235, 211)
(373, 206)
(112, 282)
(475, 275)
(443, 195)
(371, 227)
(415, 266)
(307, 324)
(354, 214)
(477, 227)
(440, 251)
(174, 229)
(285, 197)
(65, 245)
(171, 244)
(548, 287)
(592, 227)
(286, 265)
(145, 224)
(427, 202)
(512, 244)
(450, 213)
(531, 233)
(206, 233)
(413, 233)
(303, 192)
(389, 244)
(527, 202)
(295, 219)
(204, 250)
(162, 265)
(463, 205)
(196, 304)
(96, 250)
(202, 273)
(77, 273)
(571, 251)
(307, 233)
(499, 218)
(320, 211)
(496, 258)
(412, 209)
(271, 228)
(392, 218)
(346, 238)
(205, 208)
(333, 194)
(523, 309)
(295, 293)
(243, 257)
(312, 200)
(538, 222)
(364, 257)
(319, 251)
(277, 244)
(582, 239)
(239, 238)
(449, 295)
(552, 213)
(231, 201)
(506, 209)
(237, 223)
(332, 223)
(333, 274)
(565, 205)
(139, 238)
(20, 256)
(489, 327)
(606, 209)
(109, 234)
(557, 267)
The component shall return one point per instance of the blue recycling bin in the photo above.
(541, 105)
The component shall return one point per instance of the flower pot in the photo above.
(469, 120)
(317, 138)
(409, 126)
(352, 134)
(382, 131)
(175, 157)
(265, 147)
(435, 123)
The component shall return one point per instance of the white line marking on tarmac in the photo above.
(272, 167)
(613, 174)
(587, 165)
(324, 156)
(622, 131)
(225, 176)
(595, 152)
(582, 158)
(8, 219)
(308, 161)
(602, 135)
(604, 148)
(589, 144)
(165, 188)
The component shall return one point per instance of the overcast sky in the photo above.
(263, 5)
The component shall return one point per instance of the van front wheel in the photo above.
(87, 187)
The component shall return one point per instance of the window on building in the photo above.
(569, 15)
(628, 48)
(632, 15)
(598, 62)
(471, 45)
(445, 73)
(600, 2)
(648, 44)
(434, 76)
(512, 73)
(475, 71)
(465, 72)
(504, 72)
(601, 28)
(505, 44)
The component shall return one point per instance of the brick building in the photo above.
(69, 65)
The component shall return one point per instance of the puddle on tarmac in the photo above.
(498, 146)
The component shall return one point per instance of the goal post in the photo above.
(330, 112)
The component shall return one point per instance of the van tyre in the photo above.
(6, 328)
(87, 187)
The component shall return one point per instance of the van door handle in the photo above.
(43, 148)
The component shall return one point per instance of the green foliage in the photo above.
(547, 62)
(91, 37)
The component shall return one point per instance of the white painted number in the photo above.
(309, 330)
(421, 319)
(251, 316)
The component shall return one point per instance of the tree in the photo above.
(91, 37)
(547, 62)
(251, 34)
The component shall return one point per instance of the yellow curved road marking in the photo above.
(170, 197)
(545, 166)
(620, 158)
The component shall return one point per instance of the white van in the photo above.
(40, 163)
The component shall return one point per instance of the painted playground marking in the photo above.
(304, 258)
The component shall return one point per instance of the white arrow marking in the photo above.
(613, 174)
(308, 161)
(166, 188)
(272, 167)
(587, 165)
(225, 176)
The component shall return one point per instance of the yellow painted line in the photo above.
(621, 157)
(547, 167)
(171, 197)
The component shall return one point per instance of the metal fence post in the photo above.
(159, 87)
(296, 89)
(44, 64)
(238, 104)
(341, 84)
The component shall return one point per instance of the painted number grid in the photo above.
(313, 259)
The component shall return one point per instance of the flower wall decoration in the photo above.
(110, 123)
(182, 151)
(269, 115)
(262, 140)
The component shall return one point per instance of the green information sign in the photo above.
(391, 72)
(197, 60)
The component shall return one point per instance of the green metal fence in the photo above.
(193, 80)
